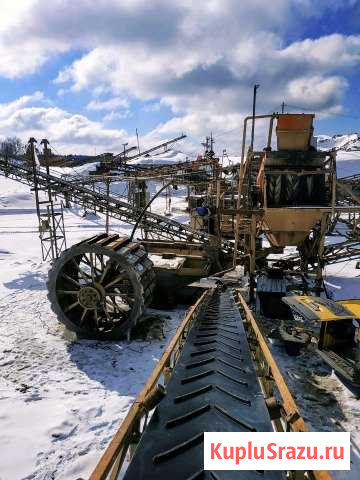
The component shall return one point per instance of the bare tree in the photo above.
(11, 146)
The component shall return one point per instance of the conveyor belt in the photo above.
(213, 388)
(81, 195)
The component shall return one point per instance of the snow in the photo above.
(346, 142)
(324, 402)
(167, 263)
(161, 158)
(61, 401)
(348, 152)
(348, 163)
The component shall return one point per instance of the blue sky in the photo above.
(87, 74)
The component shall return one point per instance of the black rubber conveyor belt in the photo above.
(213, 388)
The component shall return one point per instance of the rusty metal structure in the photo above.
(82, 195)
(288, 195)
(110, 162)
(50, 216)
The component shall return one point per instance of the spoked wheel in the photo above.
(100, 288)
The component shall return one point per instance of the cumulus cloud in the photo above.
(7, 109)
(68, 132)
(326, 53)
(222, 84)
(316, 92)
(34, 30)
(199, 58)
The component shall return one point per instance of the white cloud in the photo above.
(316, 92)
(199, 58)
(23, 46)
(61, 92)
(223, 82)
(152, 107)
(111, 104)
(111, 116)
(7, 109)
(325, 53)
(68, 132)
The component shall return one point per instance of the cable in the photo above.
(225, 132)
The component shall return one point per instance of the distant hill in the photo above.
(347, 147)
(347, 142)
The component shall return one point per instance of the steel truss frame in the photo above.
(157, 225)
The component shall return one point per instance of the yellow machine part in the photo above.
(323, 310)
(289, 225)
(352, 305)
(328, 341)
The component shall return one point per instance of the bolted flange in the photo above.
(89, 297)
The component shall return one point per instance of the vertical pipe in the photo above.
(270, 132)
(218, 215)
(334, 182)
(93, 189)
(256, 86)
(320, 253)
(240, 184)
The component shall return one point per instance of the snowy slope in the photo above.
(347, 147)
(161, 158)
(346, 142)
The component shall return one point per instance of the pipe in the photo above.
(146, 207)
(246, 119)
(256, 86)
(270, 131)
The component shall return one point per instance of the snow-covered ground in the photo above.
(61, 401)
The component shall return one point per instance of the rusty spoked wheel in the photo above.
(100, 288)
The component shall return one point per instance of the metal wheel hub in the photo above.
(99, 288)
(89, 297)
